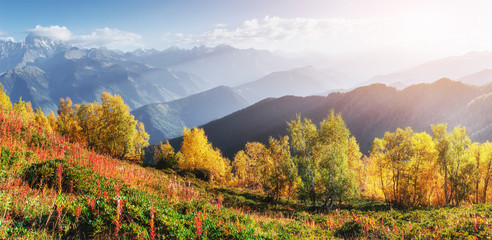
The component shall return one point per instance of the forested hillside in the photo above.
(369, 112)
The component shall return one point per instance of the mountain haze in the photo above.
(166, 120)
(304, 81)
(221, 65)
(454, 68)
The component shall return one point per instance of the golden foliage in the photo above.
(197, 153)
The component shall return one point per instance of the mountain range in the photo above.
(42, 71)
(368, 111)
(176, 88)
(455, 67)
(166, 120)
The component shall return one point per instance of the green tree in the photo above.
(323, 157)
(164, 156)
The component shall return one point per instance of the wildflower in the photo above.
(77, 213)
(59, 171)
(152, 227)
(198, 225)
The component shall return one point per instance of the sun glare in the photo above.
(425, 24)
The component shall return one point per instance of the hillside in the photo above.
(304, 81)
(368, 111)
(53, 187)
(454, 68)
(166, 120)
(478, 78)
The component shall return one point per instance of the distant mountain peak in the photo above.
(41, 42)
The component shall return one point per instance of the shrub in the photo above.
(75, 178)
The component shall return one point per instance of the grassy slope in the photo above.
(100, 197)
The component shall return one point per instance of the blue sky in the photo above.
(328, 26)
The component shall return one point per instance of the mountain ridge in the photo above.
(368, 111)
(166, 120)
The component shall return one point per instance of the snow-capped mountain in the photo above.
(42, 71)
(34, 48)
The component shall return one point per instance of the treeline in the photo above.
(106, 127)
(323, 165)
(418, 169)
(315, 164)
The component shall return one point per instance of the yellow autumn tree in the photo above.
(107, 127)
(67, 123)
(480, 155)
(5, 103)
(197, 153)
(404, 167)
(454, 164)
(485, 169)
(42, 121)
(245, 165)
(52, 120)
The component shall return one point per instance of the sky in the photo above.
(435, 28)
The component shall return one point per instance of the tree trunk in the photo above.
(486, 184)
(313, 192)
(446, 197)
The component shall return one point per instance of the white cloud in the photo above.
(52, 32)
(288, 33)
(221, 25)
(108, 37)
(421, 31)
(8, 39)
(105, 37)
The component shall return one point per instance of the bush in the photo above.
(350, 229)
(200, 173)
(7, 159)
(75, 178)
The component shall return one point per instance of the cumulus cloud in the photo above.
(287, 33)
(56, 33)
(105, 37)
(3, 38)
(7, 39)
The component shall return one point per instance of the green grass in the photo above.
(103, 198)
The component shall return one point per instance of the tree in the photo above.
(323, 158)
(66, 123)
(404, 166)
(303, 134)
(52, 120)
(197, 153)
(278, 171)
(246, 165)
(486, 168)
(42, 121)
(481, 157)
(5, 103)
(24, 109)
(453, 162)
(164, 156)
(107, 127)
